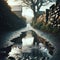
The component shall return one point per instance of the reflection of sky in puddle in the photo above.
(28, 39)
(18, 53)
(28, 47)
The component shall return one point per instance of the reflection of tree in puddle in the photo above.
(31, 47)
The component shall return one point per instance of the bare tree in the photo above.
(35, 5)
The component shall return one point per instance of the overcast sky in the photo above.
(45, 6)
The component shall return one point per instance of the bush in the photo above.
(45, 27)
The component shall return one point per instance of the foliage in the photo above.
(45, 27)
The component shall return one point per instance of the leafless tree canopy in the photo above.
(34, 4)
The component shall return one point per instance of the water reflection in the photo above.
(29, 49)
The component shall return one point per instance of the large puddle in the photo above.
(30, 46)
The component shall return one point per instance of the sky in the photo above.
(27, 12)
(20, 2)
(43, 8)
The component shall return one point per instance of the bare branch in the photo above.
(27, 2)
